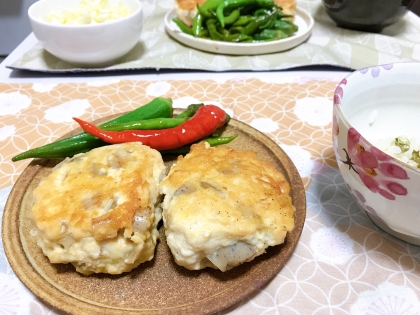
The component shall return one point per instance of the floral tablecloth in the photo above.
(343, 264)
(328, 45)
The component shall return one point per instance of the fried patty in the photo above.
(223, 207)
(288, 6)
(99, 210)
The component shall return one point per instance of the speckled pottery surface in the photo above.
(371, 104)
(159, 286)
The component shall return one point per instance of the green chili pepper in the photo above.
(148, 124)
(226, 37)
(271, 18)
(208, 8)
(233, 4)
(183, 27)
(286, 26)
(222, 30)
(204, 34)
(239, 21)
(189, 111)
(269, 34)
(158, 107)
(197, 24)
(232, 17)
(253, 26)
(205, 121)
(262, 11)
(243, 20)
(213, 141)
(213, 33)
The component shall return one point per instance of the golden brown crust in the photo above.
(189, 4)
(77, 192)
(218, 196)
(99, 210)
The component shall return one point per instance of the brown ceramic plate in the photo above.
(156, 287)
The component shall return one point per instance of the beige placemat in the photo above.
(343, 264)
(328, 45)
(35, 114)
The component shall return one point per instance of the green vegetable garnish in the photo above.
(415, 156)
(403, 143)
(83, 142)
(240, 21)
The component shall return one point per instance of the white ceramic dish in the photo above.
(95, 45)
(303, 20)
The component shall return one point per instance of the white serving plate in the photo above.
(303, 20)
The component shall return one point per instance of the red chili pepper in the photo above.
(205, 121)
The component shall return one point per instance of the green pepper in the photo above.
(269, 34)
(286, 26)
(204, 34)
(261, 11)
(158, 107)
(157, 123)
(243, 20)
(213, 141)
(147, 124)
(190, 111)
(271, 17)
(206, 120)
(212, 25)
(239, 21)
(185, 29)
(208, 7)
(232, 17)
(212, 28)
(229, 5)
(253, 26)
(197, 24)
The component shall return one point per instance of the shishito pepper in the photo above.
(225, 36)
(208, 7)
(247, 21)
(183, 27)
(147, 124)
(83, 142)
(213, 141)
(205, 121)
(156, 123)
(228, 5)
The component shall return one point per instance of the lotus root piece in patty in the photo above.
(223, 207)
(99, 210)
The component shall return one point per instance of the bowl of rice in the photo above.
(377, 144)
(87, 33)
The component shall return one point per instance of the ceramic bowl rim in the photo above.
(76, 27)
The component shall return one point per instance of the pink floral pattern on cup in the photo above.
(375, 71)
(374, 168)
